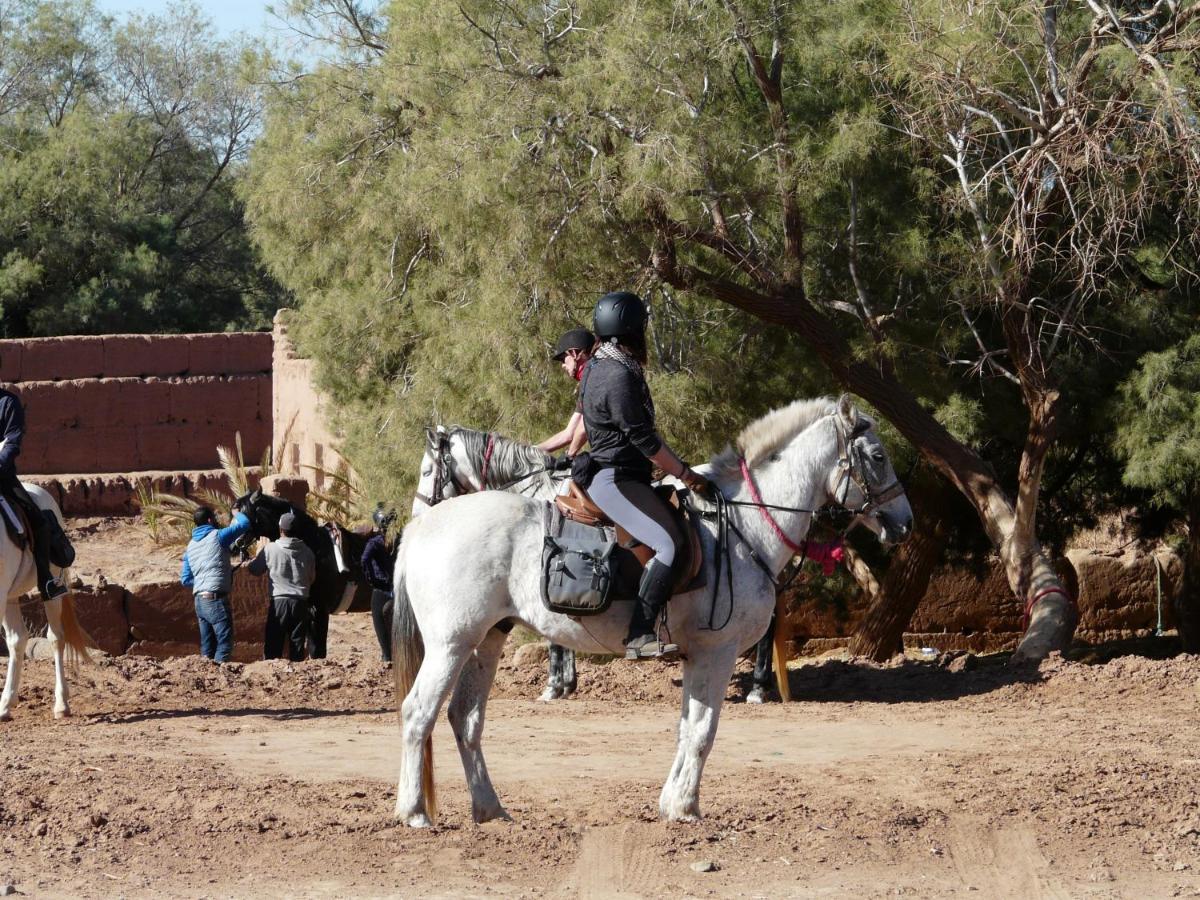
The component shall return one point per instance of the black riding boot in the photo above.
(653, 592)
(48, 586)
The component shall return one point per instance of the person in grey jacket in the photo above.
(292, 567)
(208, 571)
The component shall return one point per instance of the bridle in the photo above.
(852, 464)
(445, 473)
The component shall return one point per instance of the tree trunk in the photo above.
(1186, 605)
(879, 635)
(1052, 618)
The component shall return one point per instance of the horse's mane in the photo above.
(765, 435)
(510, 459)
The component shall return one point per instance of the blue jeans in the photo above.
(216, 628)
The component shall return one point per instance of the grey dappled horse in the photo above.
(461, 461)
(468, 570)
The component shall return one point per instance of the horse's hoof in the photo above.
(491, 815)
(757, 696)
(5, 717)
(420, 820)
(62, 714)
(549, 694)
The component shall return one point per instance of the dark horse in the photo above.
(333, 576)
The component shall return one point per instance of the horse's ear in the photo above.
(848, 413)
(430, 438)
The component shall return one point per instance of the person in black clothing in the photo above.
(377, 564)
(12, 432)
(618, 415)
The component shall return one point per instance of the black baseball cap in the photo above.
(575, 339)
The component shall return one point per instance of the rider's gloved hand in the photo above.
(696, 483)
(560, 463)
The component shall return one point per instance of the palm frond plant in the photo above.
(167, 518)
(341, 500)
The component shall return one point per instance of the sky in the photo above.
(227, 15)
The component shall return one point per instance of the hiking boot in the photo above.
(642, 642)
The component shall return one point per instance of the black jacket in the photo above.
(619, 417)
(12, 431)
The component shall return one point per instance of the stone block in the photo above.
(11, 354)
(160, 447)
(208, 354)
(69, 450)
(162, 612)
(58, 359)
(248, 352)
(142, 355)
(293, 490)
(101, 613)
(133, 402)
(51, 405)
(1120, 593)
(965, 599)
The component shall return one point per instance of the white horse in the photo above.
(470, 568)
(67, 638)
(461, 461)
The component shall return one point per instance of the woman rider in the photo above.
(618, 414)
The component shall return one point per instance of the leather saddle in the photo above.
(687, 570)
(16, 521)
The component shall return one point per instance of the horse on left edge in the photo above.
(68, 640)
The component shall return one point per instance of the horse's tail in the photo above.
(407, 653)
(77, 643)
(782, 645)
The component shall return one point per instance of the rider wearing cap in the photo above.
(573, 351)
(618, 414)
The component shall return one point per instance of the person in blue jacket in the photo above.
(208, 571)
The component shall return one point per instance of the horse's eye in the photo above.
(878, 456)
(426, 471)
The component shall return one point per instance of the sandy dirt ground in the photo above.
(181, 778)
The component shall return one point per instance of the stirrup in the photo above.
(648, 646)
(54, 589)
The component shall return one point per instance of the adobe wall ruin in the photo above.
(307, 446)
(104, 411)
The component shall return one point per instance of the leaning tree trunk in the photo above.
(1052, 614)
(1186, 604)
(879, 635)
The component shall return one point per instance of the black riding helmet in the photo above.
(575, 339)
(382, 518)
(620, 314)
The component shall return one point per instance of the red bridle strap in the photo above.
(766, 513)
(487, 459)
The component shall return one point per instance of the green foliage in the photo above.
(1158, 409)
(120, 150)
(454, 185)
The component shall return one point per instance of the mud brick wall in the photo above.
(133, 403)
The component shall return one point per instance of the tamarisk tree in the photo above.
(928, 198)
